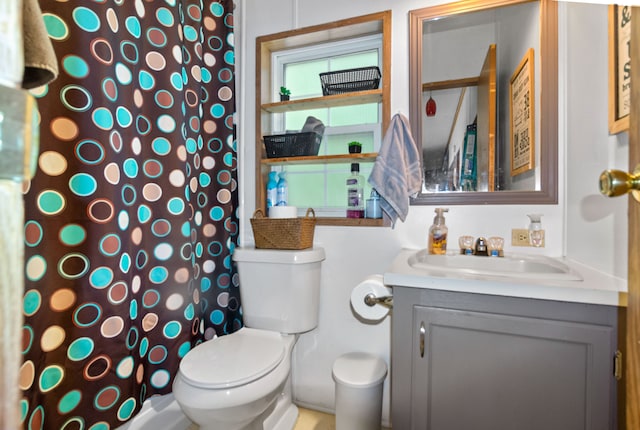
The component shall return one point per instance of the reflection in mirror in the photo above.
(487, 128)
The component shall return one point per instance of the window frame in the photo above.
(266, 106)
(327, 51)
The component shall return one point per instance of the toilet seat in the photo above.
(233, 360)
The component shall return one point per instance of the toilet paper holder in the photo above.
(371, 300)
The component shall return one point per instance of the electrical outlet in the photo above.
(520, 237)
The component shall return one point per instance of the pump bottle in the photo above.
(282, 191)
(438, 233)
(272, 186)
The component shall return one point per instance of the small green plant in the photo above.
(284, 91)
(354, 147)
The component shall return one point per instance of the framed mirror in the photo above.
(484, 101)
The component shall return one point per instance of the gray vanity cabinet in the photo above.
(470, 361)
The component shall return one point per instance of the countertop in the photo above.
(594, 288)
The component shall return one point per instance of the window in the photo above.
(322, 186)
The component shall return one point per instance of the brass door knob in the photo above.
(615, 183)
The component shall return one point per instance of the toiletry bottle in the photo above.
(282, 191)
(355, 193)
(373, 209)
(536, 233)
(438, 233)
(272, 193)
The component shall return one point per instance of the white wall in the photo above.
(518, 27)
(583, 226)
(596, 226)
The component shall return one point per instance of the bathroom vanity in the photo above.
(532, 347)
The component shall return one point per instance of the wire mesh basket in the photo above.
(350, 80)
(292, 144)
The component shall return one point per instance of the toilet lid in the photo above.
(232, 360)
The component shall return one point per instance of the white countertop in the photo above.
(595, 287)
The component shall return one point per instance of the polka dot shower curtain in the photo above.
(131, 217)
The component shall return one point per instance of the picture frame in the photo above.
(619, 65)
(522, 115)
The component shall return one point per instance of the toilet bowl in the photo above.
(242, 381)
(230, 382)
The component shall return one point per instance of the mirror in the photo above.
(481, 72)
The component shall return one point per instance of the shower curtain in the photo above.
(130, 221)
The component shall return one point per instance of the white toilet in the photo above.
(243, 380)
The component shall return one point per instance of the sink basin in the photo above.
(511, 266)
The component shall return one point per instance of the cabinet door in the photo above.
(499, 372)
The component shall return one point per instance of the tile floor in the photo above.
(309, 420)
(314, 420)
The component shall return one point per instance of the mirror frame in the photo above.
(548, 142)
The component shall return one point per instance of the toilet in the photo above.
(242, 381)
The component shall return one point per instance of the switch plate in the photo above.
(520, 237)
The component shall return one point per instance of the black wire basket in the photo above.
(292, 144)
(350, 80)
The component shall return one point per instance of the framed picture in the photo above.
(521, 116)
(619, 67)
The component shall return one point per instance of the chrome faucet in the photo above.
(481, 247)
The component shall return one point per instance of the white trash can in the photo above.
(359, 377)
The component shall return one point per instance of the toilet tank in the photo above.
(279, 289)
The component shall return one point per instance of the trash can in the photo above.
(359, 377)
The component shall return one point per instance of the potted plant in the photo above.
(285, 94)
(355, 147)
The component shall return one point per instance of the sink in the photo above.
(512, 266)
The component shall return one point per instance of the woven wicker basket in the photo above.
(283, 233)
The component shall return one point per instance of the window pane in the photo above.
(352, 61)
(347, 115)
(295, 120)
(338, 143)
(303, 78)
(308, 188)
(323, 186)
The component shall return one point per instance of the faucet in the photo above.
(481, 247)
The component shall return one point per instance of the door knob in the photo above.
(615, 183)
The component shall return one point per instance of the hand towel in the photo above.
(40, 62)
(397, 172)
(313, 124)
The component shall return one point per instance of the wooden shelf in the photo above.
(266, 46)
(453, 83)
(352, 222)
(321, 159)
(348, 99)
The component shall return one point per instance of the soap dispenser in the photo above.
(438, 233)
(536, 233)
